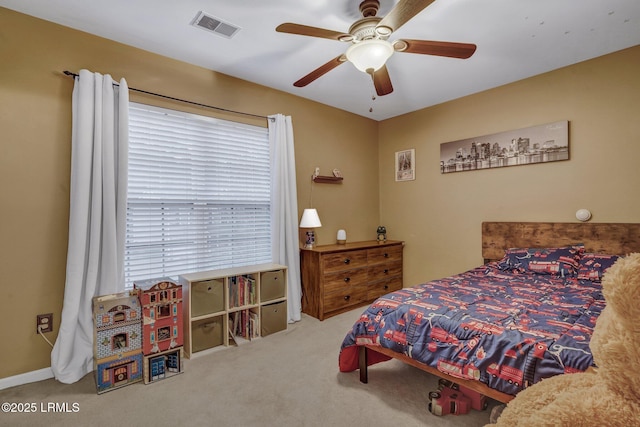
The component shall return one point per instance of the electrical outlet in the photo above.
(44, 323)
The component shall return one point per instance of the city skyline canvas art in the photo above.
(537, 144)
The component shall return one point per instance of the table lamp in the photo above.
(311, 220)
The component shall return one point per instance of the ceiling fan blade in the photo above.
(428, 47)
(402, 12)
(320, 71)
(305, 30)
(382, 81)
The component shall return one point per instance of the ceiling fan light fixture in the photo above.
(369, 54)
(383, 31)
(346, 38)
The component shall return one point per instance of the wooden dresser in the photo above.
(338, 278)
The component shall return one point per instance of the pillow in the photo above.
(562, 261)
(593, 266)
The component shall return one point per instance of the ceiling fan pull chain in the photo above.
(373, 98)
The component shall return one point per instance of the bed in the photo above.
(524, 315)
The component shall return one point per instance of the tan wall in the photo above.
(35, 120)
(439, 216)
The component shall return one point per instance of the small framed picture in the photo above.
(406, 165)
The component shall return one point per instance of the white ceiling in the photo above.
(516, 39)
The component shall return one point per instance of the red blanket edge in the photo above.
(348, 359)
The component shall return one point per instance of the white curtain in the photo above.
(284, 237)
(99, 150)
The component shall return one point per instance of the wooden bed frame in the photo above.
(606, 238)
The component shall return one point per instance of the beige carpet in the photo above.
(287, 379)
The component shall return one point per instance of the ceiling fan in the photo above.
(370, 49)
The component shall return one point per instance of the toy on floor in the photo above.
(138, 334)
(452, 398)
(117, 339)
(608, 396)
(161, 301)
(162, 341)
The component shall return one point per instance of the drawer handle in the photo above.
(386, 255)
(346, 298)
(386, 271)
(347, 279)
(386, 287)
(347, 261)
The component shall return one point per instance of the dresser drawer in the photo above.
(383, 287)
(384, 254)
(344, 279)
(344, 260)
(345, 297)
(384, 271)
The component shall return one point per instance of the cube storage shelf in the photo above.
(233, 305)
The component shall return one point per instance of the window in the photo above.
(119, 341)
(164, 333)
(199, 194)
(164, 311)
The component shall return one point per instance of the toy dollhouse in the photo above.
(162, 343)
(118, 358)
(138, 334)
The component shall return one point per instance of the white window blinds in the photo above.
(199, 194)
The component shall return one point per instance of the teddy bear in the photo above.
(608, 395)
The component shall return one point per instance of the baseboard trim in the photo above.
(26, 378)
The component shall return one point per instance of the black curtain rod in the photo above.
(69, 73)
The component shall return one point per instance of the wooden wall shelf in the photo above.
(327, 179)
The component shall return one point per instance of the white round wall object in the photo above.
(583, 215)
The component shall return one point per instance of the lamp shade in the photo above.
(310, 219)
(369, 54)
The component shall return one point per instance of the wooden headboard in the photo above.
(605, 238)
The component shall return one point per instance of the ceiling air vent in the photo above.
(215, 25)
